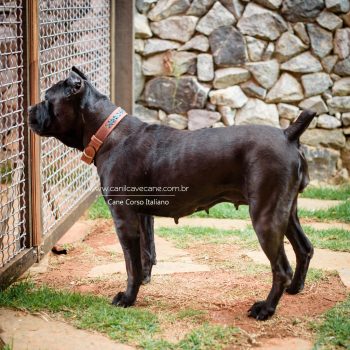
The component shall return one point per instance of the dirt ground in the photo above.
(224, 293)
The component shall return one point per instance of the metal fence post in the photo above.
(123, 53)
(34, 140)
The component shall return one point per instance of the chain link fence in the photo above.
(12, 147)
(72, 32)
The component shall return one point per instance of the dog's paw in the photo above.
(122, 300)
(260, 311)
(295, 288)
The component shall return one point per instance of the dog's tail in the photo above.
(295, 130)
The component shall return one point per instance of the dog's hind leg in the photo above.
(303, 250)
(127, 225)
(270, 224)
(148, 250)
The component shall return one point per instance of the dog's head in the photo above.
(60, 114)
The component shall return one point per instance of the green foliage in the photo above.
(132, 325)
(339, 212)
(86, 311)
(184, 236)
(99, 210)
(328, 192)
(334, 238)
(315, 275)
(206, 337)
(334, 331)
(225, 211)
(192, 314)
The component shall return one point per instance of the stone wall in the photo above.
(205, 63)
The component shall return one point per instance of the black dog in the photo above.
(260, 166)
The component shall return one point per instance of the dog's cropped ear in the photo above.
(74, 83)
(79, 72)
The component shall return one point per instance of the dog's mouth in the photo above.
(36, 125)
(36, 129)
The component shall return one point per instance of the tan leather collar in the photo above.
(105, 129)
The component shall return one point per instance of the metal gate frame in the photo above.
(122, 57)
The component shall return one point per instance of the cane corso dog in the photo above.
(255, 165)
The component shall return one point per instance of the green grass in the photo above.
(185, 236)
(339, 212)
(131, 325)
(7, 347)
(225, 211)
(192, 314)
(334, 331)
(315, 275)
(333, 239)
(99, 210)
(205, 337)
(328, 192)
(86, 311)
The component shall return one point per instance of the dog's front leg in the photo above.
(127, 225)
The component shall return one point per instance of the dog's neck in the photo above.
(94, 112)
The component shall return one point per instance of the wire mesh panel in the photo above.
(12, 177)
(72, 32)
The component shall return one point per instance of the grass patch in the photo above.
(7, 347)
(99, 210)
(131, 325)
(339, 212)
(333, 239)
(315, 275)
(205, 337)
(86, 311)
(341, 193)
(225, 211)
(192, 314)
(334, 331)
(187, 235)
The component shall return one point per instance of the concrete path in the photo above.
(323, 259)
(286, 343)
(23, 331)
(224, 224)
(169, 260)
(316, 204)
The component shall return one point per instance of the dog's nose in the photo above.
(30, 108)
